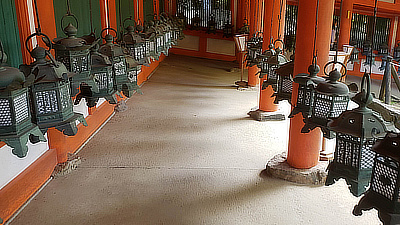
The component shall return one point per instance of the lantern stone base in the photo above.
(267, 116)
(279, 168)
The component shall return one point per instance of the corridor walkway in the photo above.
(186, 153)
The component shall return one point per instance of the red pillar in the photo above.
(303, 149)
(345, 23)
(255, 23)
(274, 31)
(108, 14)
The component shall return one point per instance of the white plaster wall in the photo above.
(189, 42)
(11, 166)
(219, 46)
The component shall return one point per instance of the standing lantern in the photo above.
(51, 99)
(356, 133)
(330, 100)
(285, 82)
(306, 90)
(102, 71)
(16, 125)
(73, 52)
(384, 191)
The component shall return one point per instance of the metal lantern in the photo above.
(369, 55)
(227, 30)
(285, 82)
(133, 70)
(384, 191)
(16, 126)
(196, 22)
(102, 71)
(254, 50)
(383, 49)
(263, 64)
(330, 100)
(366, 48)
(73, 52)
(119, 57)
(356, 133)
(211, 26)
(354, 55)
(51, 99)
(135, 45)
(274, 62)
(396, 52)
(306, 90)
(245, 29)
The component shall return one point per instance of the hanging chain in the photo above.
(337, 34)
(373, 34)
(38, 28)
(91, 16)
(272, 17)
(279, 20)
(68, 8)
(315, 34)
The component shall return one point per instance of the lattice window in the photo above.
(287, 85)
(46, 102)
(204, 9)
(367, 155)
(5, 113)
(132, 76)
(120, 68)
(101, 80)
(21, 108)
(324, 106)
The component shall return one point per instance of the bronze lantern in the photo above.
(356, 133)
(16, 126)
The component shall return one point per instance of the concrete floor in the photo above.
(186, 153)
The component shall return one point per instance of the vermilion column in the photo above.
(108, 14)
(303, 149)
(274, 31)
(255, 23)
(345, 23)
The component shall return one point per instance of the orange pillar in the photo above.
(255, 23)
(272, 30)
(345, 23)
(24, 28)
(303, 149)
(108, 14)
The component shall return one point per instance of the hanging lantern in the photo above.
(354, 56)
(274, 62)
(102, 71)
(367, 48)
(227, 30)
(134, 43)
(263, 64)
(121, 62)
(51, 99)
(369, 55)
(356, 133)
(245, 29)
(254, 50)
(330, 100)
(211, 25)
(306, 90)
(383, 49)
(384, 191)
(196, 22)
(16, 126)
(396, 52)
(73, 52)
(285, 82)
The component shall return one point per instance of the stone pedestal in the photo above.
(279, 168)
(260, 115)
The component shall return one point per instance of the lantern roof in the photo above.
(286, 69)
(11, 78)
(389, 146)
(277, 59)
(332, 86)
(110, 49)
(311, 78)
(98, 59)
(71, 41)
(45, 70)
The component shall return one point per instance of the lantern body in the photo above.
(16, 126)
(383, 49)
(275, 62)
(353, 161)
(131, 87)
(285, 83)
(150, 47)
(383, 194)
(53, 107)
(77, 61)
(354, 55)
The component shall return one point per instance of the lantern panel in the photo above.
(46, 102)
(324, 105)
(102, 80)
(287, 85)
(385, 177)
(339, 106)
(5, 113)
(21, 108)
(120, 68)
(132, 76)
(300, 94)
(65, 97)
(367, 155)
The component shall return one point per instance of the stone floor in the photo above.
(186, 152)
